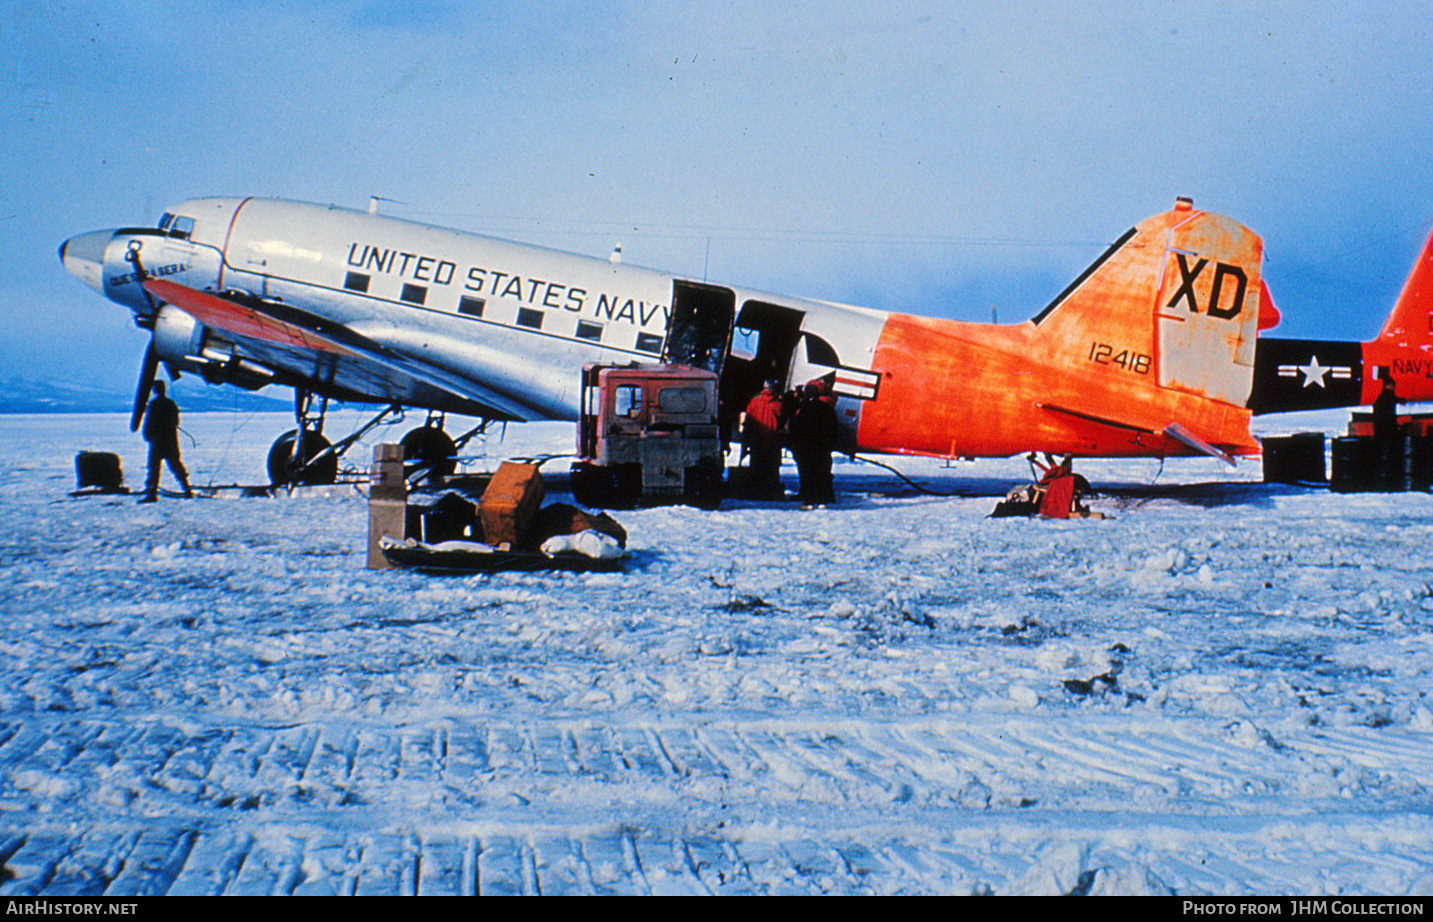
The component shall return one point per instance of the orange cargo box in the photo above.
(509, 503)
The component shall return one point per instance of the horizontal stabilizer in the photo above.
(1181, 434)
(1091, 418)
(1173, 431)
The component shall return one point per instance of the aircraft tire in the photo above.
(285, 468)
(432, 448)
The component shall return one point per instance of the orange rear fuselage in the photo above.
(952, 389)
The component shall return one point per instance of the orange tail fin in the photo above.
(1411, 321)
(1149, 352)
(1182, 293)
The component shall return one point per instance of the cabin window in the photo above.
(586, 329)
(647, 342)
(527, 317)
(181, 227)
(472, 307)
(356, 281)
(745, 344)
(682, 399)
(628, 399)
(414, 294)
(819, 352)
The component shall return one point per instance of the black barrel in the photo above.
(98, 470)
(1297, 458)
(1355, 465)
(1393, 464)
(1418, 463)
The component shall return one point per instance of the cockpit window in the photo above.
(181, 227)
(165, 220)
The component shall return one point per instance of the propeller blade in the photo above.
(146, 384)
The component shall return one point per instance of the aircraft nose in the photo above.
(83, 257)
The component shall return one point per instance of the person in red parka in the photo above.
(761, 437)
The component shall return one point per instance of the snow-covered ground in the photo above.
(1224, 688)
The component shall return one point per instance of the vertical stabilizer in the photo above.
(1209, 306)
(1310, 374)
(1411, 321)
(1176, 302)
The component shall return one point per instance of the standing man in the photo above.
(1385, 410)
(1388, 436)
(761, 436)
(161, 431)
(814, 430)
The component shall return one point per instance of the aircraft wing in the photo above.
(289, 328)
(1172, 431)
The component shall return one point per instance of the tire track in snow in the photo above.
(152, 866)
(610, 864)
(666, 866)
(826, 779)
(500, 871)
(559, 867)
(212, 864)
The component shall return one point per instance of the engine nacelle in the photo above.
(185, 344)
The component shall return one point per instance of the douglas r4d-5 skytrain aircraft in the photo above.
(1152, 351)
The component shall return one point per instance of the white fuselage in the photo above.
(517, 321)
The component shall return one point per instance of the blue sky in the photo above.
(937, 158)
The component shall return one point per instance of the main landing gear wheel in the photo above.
(431, 452)
(287, 467)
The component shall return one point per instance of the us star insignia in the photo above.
(1314, 373)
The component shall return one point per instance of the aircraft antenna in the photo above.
(373, 201)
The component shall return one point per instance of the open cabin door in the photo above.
(762, 347)
(744, 350)
(699, 333)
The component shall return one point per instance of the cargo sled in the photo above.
(506, 528)
(456, 556)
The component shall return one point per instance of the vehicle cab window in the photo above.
(628, 400)
(679, 400)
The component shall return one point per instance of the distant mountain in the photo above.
(18, 395)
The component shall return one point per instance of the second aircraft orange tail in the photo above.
(1309, 374)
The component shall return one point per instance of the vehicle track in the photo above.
(871, 806)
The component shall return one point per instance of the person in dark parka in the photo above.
(1385, 410)
(161, 431)
(813, 434)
